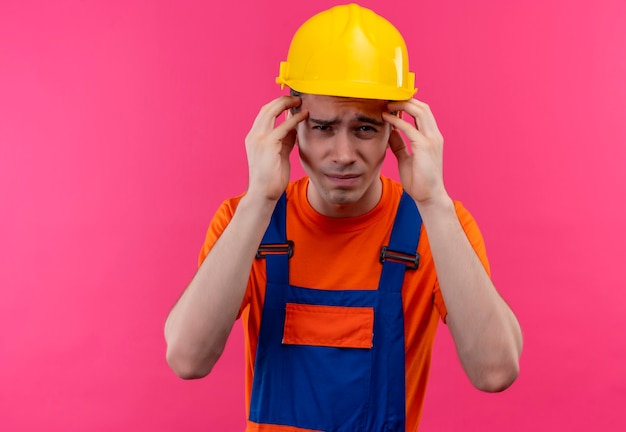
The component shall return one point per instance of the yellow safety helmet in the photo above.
(348, 51)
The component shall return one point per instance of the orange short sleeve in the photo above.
(218, 224)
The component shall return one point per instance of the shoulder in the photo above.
(219, 222)
(296, 190)
(226, 210)
(392, 192)
(467, 220)
(391, 186)
(473, 233)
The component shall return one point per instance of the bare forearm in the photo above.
(198, 326)
(486, 333)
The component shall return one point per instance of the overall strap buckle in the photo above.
(275, 249)
(410, 260)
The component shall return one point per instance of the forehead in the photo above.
(333, 106)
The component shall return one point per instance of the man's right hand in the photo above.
(268, 147)
(198, 326)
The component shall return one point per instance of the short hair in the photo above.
(296, 93)
(296, 109)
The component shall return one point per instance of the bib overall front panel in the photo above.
(332, 360)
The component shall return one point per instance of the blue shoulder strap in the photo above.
(275, 247)
(401, 254)
(402, 248)
(276, 232)
(397, 258)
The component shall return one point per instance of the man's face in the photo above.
(342, 146)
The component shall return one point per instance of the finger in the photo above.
(270, 111)
(400, 124)
(422, 115)
(288, 125)
(288, 143)
(424, 118)
(398, 146)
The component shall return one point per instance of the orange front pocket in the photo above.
(331, 326)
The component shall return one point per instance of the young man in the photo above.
(341, 277)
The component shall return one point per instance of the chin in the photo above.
(343, 197)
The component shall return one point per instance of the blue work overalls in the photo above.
(327, 388)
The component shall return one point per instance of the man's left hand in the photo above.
(421, 169)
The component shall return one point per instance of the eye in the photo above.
(365, 131)
(366, 128)
(323, 128)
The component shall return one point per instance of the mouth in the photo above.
(343, 179)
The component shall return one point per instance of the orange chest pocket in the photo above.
(330, 326)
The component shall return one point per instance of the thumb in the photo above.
(288, 142)
(398, 146)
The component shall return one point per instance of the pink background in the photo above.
(121, 130)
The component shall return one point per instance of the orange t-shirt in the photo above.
(343, 253)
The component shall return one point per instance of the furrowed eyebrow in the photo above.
(334, 121)
(320, 122)
(365, 119)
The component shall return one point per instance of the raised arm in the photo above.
(486, 333)
(198, 326)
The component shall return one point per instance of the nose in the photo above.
(343, 149)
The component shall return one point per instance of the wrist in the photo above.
(257, 204)
(436, 206)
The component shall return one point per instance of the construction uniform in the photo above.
(337, 340)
